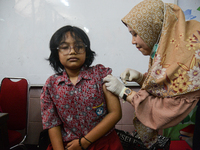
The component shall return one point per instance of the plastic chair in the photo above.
(14, 101)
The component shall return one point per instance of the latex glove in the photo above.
(131, 75)
(114, 85)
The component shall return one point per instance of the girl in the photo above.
(76, 108)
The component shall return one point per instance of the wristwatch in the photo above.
(127, 92)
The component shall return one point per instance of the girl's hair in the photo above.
(59, 36)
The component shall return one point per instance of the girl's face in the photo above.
(139, 43)
(73, 60)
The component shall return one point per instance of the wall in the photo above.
(191, 10)
(26, 27)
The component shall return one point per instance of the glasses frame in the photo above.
(70, 48)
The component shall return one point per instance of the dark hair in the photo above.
(59, 36)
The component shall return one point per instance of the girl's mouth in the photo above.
(73, 59)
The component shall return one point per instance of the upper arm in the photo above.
(112, 101)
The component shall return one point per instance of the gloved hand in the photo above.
(131, 75)
(114, 85)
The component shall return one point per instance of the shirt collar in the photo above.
(85, 73)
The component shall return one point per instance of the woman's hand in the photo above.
(131, 75)
(114, 85)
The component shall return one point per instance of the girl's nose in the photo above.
(72, 50)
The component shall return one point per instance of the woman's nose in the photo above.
(133, 40)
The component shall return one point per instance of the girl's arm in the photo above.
(56, 138)
(113, 116)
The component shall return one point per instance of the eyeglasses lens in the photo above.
(66, 48)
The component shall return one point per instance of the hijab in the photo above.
(175, 68)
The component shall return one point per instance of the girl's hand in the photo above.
(73, 145)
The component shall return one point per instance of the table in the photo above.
(4, 142)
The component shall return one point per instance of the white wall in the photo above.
(26, 27)
(192, 7)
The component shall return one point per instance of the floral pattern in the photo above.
(184, 80)
(191, 46)
(197, 54)
(172, 41)
(175, 69)
(187, 78)
(145, 133)
(158, 71)
(181, 35)
(180, 84)
(194, 74)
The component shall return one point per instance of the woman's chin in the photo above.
(145, 54)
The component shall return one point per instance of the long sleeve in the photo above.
(159, 113)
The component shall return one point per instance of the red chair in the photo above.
(14, 101)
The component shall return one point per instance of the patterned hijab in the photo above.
(175, 69)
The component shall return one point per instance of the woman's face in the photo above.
(139, 43)
(73, 60)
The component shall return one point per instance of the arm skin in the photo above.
(113, 116)
(56, 138)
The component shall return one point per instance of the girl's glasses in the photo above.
(65, 48)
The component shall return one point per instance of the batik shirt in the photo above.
(76, 108)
